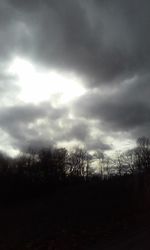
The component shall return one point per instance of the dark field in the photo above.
(93, 215)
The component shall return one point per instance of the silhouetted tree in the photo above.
(142, 154)
(107, 166)
(46, 164)
(4, 163)
(88, 160)
(60, 160)
(100, 157)
(78, 162)
(129, 160)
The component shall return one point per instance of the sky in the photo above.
(74, 72)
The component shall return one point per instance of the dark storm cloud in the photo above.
(79, 130)
(67, 129)
(105, 41)
(19, 122)
(125, 109)
(13, 32)
(97, 145)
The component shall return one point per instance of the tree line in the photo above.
(59, 163)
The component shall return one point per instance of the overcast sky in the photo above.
(74, 72)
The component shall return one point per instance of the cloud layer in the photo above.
(104, 43)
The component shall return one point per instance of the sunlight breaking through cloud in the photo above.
(37, 86)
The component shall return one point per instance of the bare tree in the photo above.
(142, 153)
(107, 166)
(100, 157)
(79, 162)
(129, 160)
(60, 160)
(121, 163)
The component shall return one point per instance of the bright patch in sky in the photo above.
(5, 145)
(37, 86)
(120, 144)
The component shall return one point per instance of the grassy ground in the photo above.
(75, 217)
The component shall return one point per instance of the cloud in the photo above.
(79, 130)
(25, 123)
(101, 41)
(105, 43)
(98, 145)
(126, 109)
(41, 125)
(9, 90)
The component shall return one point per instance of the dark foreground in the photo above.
(81, 216)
